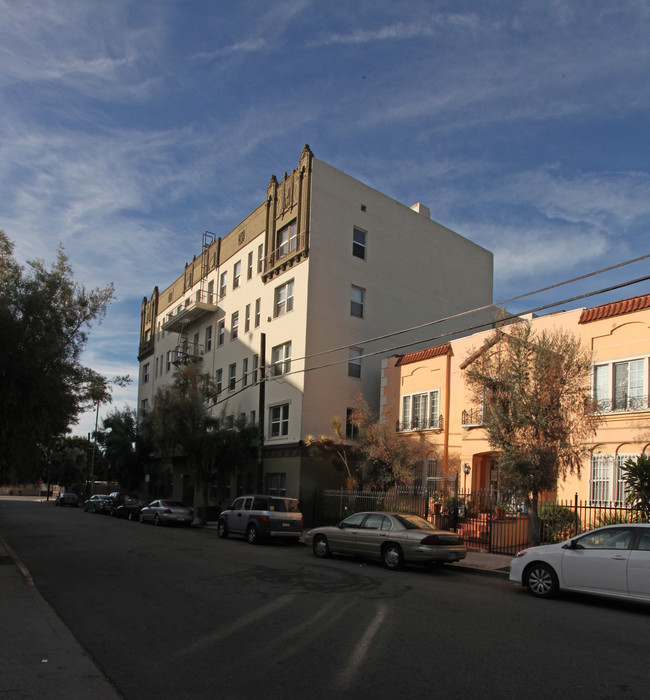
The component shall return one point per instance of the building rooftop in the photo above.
(615, 308)
(420, 355)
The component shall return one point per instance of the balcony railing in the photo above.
(624, 404)
(192, 309)
(434, 423)
(472, 418)
(285, 252)
(186, 352)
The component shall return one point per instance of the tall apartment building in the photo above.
(307, 285)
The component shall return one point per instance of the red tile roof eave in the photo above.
(421, 355)
(615, 308)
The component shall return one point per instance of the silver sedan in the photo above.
(395, 539)
(164, 512)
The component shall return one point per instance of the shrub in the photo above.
(557, 523)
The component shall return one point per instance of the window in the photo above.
(621, 386)
(144, 406)
(359, 243)
(247, 318)
(606, 483)
(283, 299)
(260, 258)
(234, 325)
(287, 240)
(421, 411)
(252, 418)
(208, 339)
(357, 301)
(279, 421)
(276, 484)
(351, 430)
(232, 376)
(244, 372)
(221, 332)
(281, 359)
(256, 364)
(155, 375)
(145, 373)
(426, 471)
(354, 362)
(218, 380)
(258, 312)
(169, 360)
(223, 284)
(236, 275)
(211, 292)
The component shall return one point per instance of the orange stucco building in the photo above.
(424, 395)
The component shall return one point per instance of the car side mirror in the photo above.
(341, 526)
(571, 544)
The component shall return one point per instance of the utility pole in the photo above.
(260, 410)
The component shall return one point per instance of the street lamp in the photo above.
(466, 470)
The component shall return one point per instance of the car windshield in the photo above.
(414, 522)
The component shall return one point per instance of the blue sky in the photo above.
(127, 129)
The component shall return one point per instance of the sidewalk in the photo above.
(40, 657)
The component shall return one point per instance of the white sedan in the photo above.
(611, 561)
(167, 513)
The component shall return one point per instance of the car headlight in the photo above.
(523, 553)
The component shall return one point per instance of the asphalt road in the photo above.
(178, 613)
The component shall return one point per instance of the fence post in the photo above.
(575, 510)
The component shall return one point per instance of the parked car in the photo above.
(611, 561)
(163, 512)
(130, 509)
(95, 504)
(67, 499)
(258, 516)
(395, 539)
(115, 500)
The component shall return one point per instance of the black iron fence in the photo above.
(485, 519)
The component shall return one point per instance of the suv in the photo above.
(258, 516)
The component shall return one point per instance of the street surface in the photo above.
(179, 613)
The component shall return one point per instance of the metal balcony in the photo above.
(194, 308)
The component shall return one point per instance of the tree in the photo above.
(371, 453)
(537, 409)
(636, 475)
(68, 461)
(121, 441)
(180, 421)
(45, 319)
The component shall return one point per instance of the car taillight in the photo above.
(302, 524)
(167, 511)
(191, 512)
(265, 520)
(430, 539)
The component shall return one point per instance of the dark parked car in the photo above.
(258, 516)
(130, 509)
(67, 499)
(395, 539)
(163, 512)
(95, 504)
(115, 500)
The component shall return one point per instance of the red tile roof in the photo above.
(616, 308)
(420, 355)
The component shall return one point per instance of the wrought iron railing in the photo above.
(285, 251)
(624, 404)
(472, 417)
(433, 423)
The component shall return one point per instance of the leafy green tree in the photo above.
(534, 390)
(636, 475)
(68, 461)
(180, 421)
(121, 442)
(45, 318)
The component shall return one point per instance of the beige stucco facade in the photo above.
(425, 396)
(356, 266)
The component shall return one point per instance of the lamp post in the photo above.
(466, 470)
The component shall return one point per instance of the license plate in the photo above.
(286, 524)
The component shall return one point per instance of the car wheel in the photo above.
(320, 547)
(252, 535)
(141, 518)
(392, 556)
(157, 520)
(541, 580)
(222, 530)
(130, 516)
